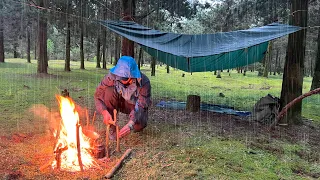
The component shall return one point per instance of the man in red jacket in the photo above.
(128, 90)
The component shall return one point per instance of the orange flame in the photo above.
(67, 139)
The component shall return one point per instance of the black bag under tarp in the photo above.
(266, 109)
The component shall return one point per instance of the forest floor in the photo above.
(175, 145)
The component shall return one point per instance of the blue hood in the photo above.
(126, 67)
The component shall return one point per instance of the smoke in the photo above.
(51, 118)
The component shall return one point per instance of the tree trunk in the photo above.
(35, 40)
(42, 41)
(81, 47)
(98, 52)
(316, 76)
(267, 61)
(218, 74)
(117, 49)
(293, 71)
(276, 63)
(168, 69)
(28, 46)
(104, 43)
(128, 7)
(104, 58)
(140, 57)
(1, 36)
(68, 48)
(153, 66)
(193, 103)
(15, 49)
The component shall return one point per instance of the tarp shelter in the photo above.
(203, 52)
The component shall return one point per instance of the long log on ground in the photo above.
(118, 164)
(285, 109)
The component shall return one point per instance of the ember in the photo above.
(72, 149)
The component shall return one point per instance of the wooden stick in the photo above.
(94, 117)
(107, 141)
(285, 109)
(118, 164)
(117, 130)
(87, 115)
(58, 158)
(78, 146)
(47, 164)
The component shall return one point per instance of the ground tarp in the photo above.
(203, 107)
(203, 52)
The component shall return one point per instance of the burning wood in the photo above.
(73, 149)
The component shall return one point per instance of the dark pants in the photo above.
(113, 101)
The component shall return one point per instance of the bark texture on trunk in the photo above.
(42, 41)
(81, 47)
(193, 103)
(153, 66)
(35, 40)
(140, 58)
(68, 48)
(104, 54)
(1, 37)
(28, 46)
(128, 7)
(267, 61)
(316, 76)
(294, 64)
(117, 49)
(98, 53)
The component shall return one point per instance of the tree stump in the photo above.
(193, 103)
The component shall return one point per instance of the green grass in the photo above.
(241, 92)
(197, 157)
(231, 159)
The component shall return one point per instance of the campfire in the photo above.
(76, 148)
(73, 148)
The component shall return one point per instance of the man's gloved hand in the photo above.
(107, 119)
(126, 129)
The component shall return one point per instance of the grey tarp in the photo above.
(203, 52)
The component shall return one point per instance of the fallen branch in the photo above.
(118, 164)
(289, 105)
